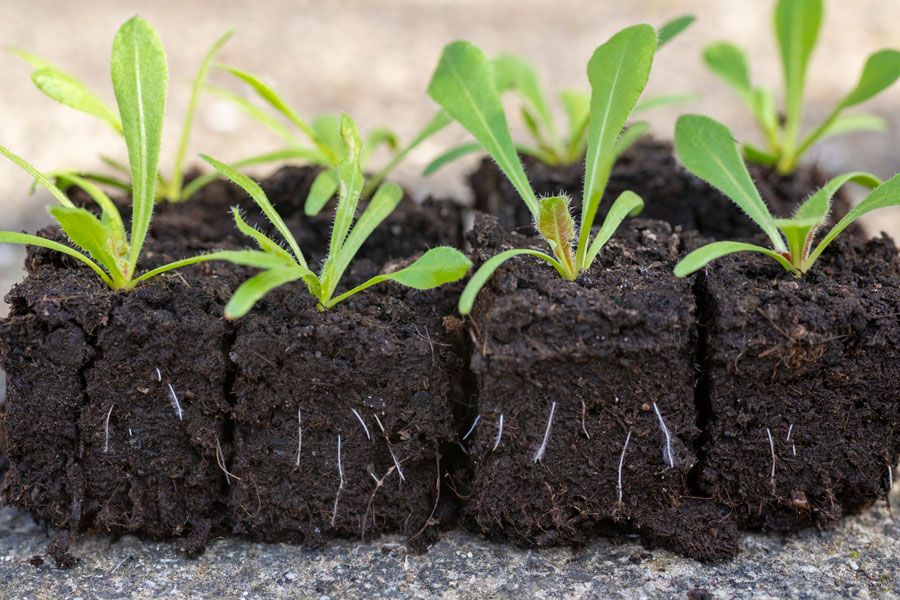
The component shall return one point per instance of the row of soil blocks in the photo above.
(627, 401)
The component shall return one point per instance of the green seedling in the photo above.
(797, 24)
(464, 84)
(71, 91)
(434, 268)
(139, 76)
(513, 74)
(708, 150)
(319, 141)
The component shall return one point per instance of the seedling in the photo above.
(324, 133)
(708, 150)
(464, 85)
(797, 24)
(71, 91)
(516, 75)
(434, 268)
(139, 76)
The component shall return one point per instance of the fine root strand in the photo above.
(299, 434)
(583, 428)
(540, 451)
(175, 403)
(621, 464)
(363, 423)
(790, 429)
(337, 496)
(472, 428)
(106, 430)
(667, 451)
(220, 458)
(391, 450)
(772, 447)
(499, 434)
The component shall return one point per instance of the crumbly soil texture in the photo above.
(651, 170)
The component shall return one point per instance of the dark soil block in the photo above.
(96, 440)
(611, 357)
(811, 363)
(671, 194)
(341, 417)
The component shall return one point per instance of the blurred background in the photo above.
(373, 59)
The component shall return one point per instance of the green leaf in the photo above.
(378, 137)
(174, 192)
(110, 211)
(38, 176)
(627, 204)
(858, 122)
(328, 131)
(577, 105)
(262, 201)
(730, 63)
(673, 28)
(87, 232)
(886, 194)
(434, 268)
(880, 72)
(698, 259)
(819, 204)
(665, 100)
(321, 191)
(140, 76)
(484, 272)
(249, 292)
(524, 80)
(797, 232)
(262, 117)
(265, 243)
(759, 156)
(383, 203)
(32, 59)
(350, 180)
(67, 89)
(451, 155)
(249, 258)
(797, 24)
(631, 135)
(463, 84)
(708, 150)
(618, 72)
(556, 225)
(11, 237)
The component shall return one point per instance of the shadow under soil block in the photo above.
(802, 415)
(651, 170)
(341, 417)
(115, 404)
(586, 419)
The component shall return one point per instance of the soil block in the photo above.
(584, 399)
(670, 193)
(341, 417)
(801, 379)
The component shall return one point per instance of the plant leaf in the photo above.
(886, 194)
(484, 272)
(819, 204)
(11, 237)
(631, 135)
(524, 80)
(249, 292)
(673, 28)
(556, 225)
(708, 150)
(249, 258)
(378, 137)
(350, 185)
(434, 268)
(759, 156)
(321, 191)
(730, 63)
(797, 24)
(67, 89)
(262, 201)
(451, 155)
(140, 76)
(175, 192)
(665, 100)
(797, 232)
(38, 177)
(110, 211)
(92, 236)
(618, 72)
(627, 204)
(262, 117)
(698, 259)
(858, 122)
(266, 244)
(880, 71)
(463, 84)
(577, 105)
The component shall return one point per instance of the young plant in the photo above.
(708, 150)
(324, 133)
(464, 84)
(71, 91)
(797, 24)
(139, 76)
(434, 268)
(516, 75)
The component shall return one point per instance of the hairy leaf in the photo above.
(698, 259)
(87, 232)
(249, 258)
(627, 204)
(557, 226)
(484, 272)
(67, 89)
(11, 237)
(265, 243)
(350, 185)
(321, 191)
(249, 292)
(38, 177)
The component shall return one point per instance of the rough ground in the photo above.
(857, 558)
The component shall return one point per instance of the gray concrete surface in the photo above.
(858, 557)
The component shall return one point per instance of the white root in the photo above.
(667, 451)
(363, 423)
(794, 449)
(175, 404)
(772, 447)
(472, 428)
(583, 428)
(790, 429)
(621, 464)
(391, 450)
(106, 429)
(337, 496)
(499, 433)
(540, 451)
(158, 375)
(299, 434)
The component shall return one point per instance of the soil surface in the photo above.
(650, 169)
(577, 433)
(813, 363)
